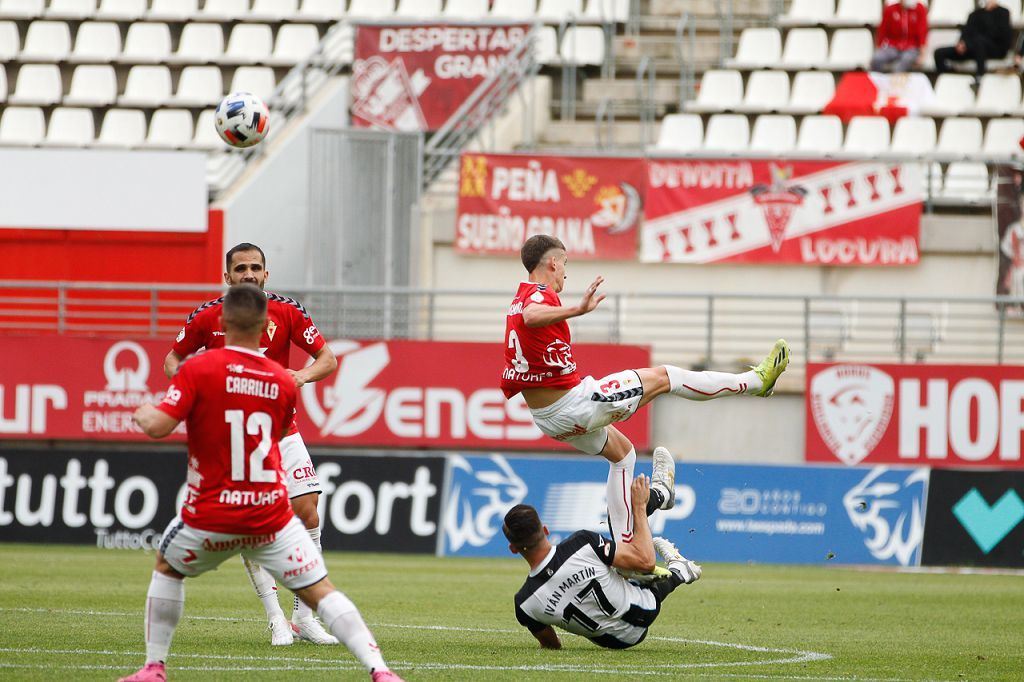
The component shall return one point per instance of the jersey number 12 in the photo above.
(258, 424)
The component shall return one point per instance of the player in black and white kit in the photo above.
(575, 585)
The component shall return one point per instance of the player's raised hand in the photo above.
(640, 491)
(591, 299)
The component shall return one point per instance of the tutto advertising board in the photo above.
(123, 499)
(792, 515)
(592, 204)
(809, 212)
(937, 415)
(414, 77)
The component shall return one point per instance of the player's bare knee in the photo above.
(164, 568)
(655, 381)
(312, 595)
(617, 447)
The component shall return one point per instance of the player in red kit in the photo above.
(539, 364)
(288, 323)
(237, 406)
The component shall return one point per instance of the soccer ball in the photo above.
(242, 119)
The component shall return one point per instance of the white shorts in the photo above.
(579, 417)
(298, 467)
(288, 554)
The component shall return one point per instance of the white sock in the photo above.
(165, 603)
(300, 611)
(620, 511)
(342, 618)
(709, 385)
(266, 588)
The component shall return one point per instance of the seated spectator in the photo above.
(901, 37)
(987, 35)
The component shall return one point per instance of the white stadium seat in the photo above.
(37, 84)
(583, 45)
(146, 43)
(811, 91)
(273, 10)
(720, 90)
(867, 135)
(820, 135)
(851, 48)
(121, 10)
(173, 10)
(259, 80)
(1014, 6)
(248, 44)
(805, 48)
(22, 126)
(3, 83)
(556, 11)
(937, 37)
(967, 181)
(10, 41)
(616, 11)
(371, 9)
(513, 9)
(206, 136)
(223, 10)
(465, 9)
(766, 91)
(1002, 137)
(96, 42)
(21, 9)
(773, 134)
(418, 9)
(147, 86)
(949, 12)
(808, 13)
(92, 85)
(758, 47)
(546, 48)
(959, 136)
(954, 94)
(70, 9)
(169, 128)
(857, 13)
(295, 43)
(122, 128)
(198, 86)
(46, 41)
(913, 135)
(321, 10)
(199, 44)
(70, 128)
(998, 94)
(728, 133)
(681, 133)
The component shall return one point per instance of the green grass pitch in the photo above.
(75, 613)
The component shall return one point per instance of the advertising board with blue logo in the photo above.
(769, 514)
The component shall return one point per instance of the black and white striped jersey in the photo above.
(577, 589)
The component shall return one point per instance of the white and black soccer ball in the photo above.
(242, 119)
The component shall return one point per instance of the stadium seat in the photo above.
(805, 48)
(811, 91)
(616, 11)
(10, 41)
(681, 133)
(259, 80)
(206, 136)
(954, 94)
(147, 86)
(199, 44)
(92, 85)
(418, 9)
(931, 179)
(913, 135)
(820, 135)
(808, 13)
(758, 47)
(727, 133)
(867, 135)
(465, 9)
(546, 49)
(169, 128)
(248, 44)
(720, 90)
(71, 9)
(857, 13)
(70, 128)
(937, 37)
(146, 43)
(223, 10)
(295, 43)
(513, 9)
(173, 10)
(966, 181)
(1002, 137)
(199, 86)
(122, 128)
(851, 48)
(998, 94)
(37, 84)
(97, 42)
(338, 45)
(321, 10)
(46, 41)
(273, 10)
(21, 9)
(556, 11)
(121, 10)
(960, 137)
(583, 45)
(3, 83)
(774, 134)
(1014, 7)
(949, 12)
(22, 126)
(371, 9)
(766, 91)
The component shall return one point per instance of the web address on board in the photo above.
(770, 527)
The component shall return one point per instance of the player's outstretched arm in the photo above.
(548, 638)
(637, 555)
(543, 315)
(153, 422)
(171, 363)
(324, 363)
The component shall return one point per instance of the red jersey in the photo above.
(903, 28)
(236, 404)
(536, 357)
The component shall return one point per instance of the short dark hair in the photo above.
(535, 247)
(245, 309)
(522, 527)
(238, 248)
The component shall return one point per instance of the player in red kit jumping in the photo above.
(539, 364)
(288, 323)
(237, 405)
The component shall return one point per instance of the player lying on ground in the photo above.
(539, 364)
(237, 405)
(573, 585)
(288, 323)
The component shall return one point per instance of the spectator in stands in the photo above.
(987, 35)
(901, 37)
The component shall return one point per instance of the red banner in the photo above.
(414, 77)
(412, 394)
(812, 212)
(937, 415)
(592, 204)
